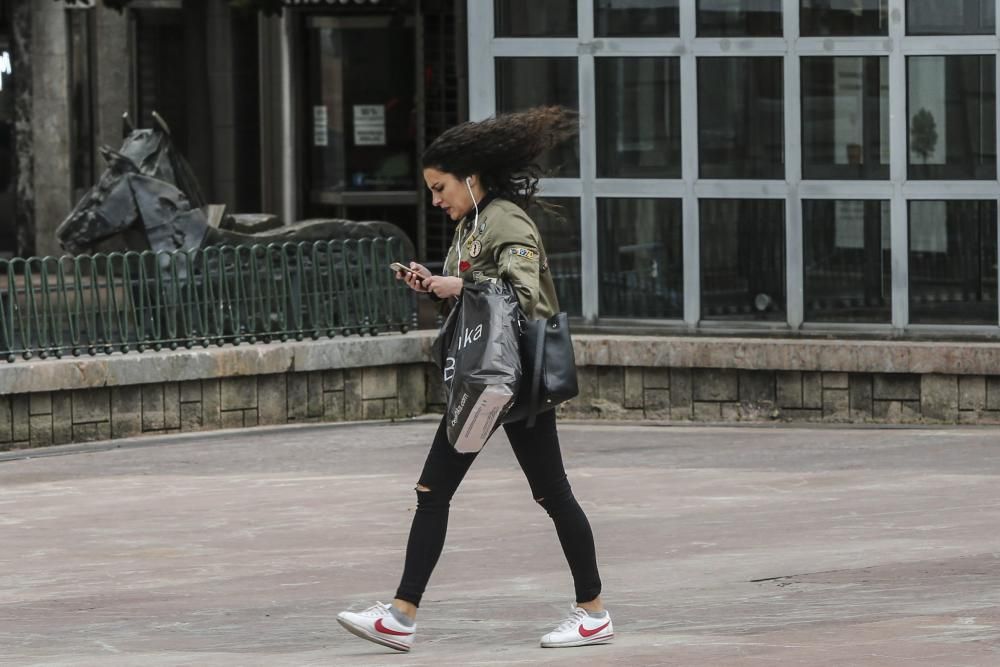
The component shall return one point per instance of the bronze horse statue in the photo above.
(149, 199)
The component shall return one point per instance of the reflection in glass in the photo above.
(741, 131)
(739, 18)
(559, 225)
(951, 17)
(819, 18)
(628, 18)
(638, 118)
(952, 129)
(845, 117)
(953, 262)
(640, 257)
(742, 259)
(846, 261)
(523, 83)
(530, 18)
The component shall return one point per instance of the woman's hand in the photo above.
(444, 287)
(413, 282)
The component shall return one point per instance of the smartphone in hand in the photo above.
(402, 268)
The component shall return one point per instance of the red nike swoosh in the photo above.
(384, 630)
(584, 632)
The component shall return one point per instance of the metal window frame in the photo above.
(687, 47)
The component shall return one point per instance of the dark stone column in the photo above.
(23, 135)
(50, 123)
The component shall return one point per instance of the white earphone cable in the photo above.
(475, 224)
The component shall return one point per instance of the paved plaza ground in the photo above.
(719, 546)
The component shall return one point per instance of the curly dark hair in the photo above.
(503, 150)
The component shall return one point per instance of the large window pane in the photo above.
(953, 262)
(844, 17)
(628, 18)
(952, 117)
(638, 117)
(739, 18)
(742, 259)
(846, 261)
(559, 224)
(845, 117)
(523, 83)
(741, 132)
(951, 17)
(641, 258)
(530, 18)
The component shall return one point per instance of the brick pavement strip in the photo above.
(718, 545)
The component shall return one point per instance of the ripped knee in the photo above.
(558, 499)
(430, 500)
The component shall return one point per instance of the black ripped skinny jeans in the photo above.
(537, 450)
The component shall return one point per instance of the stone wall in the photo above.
(664, 379)
(730, 395)
(84, 415)
(58, 401)
(740, 380)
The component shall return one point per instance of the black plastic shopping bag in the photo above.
(479, 355)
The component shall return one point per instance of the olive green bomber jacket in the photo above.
(505, 244)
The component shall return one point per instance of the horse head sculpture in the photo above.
(153, 152)
(149, 199)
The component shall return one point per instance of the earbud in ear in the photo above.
(468, 180)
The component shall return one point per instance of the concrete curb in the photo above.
(839, 356)
(210, 363)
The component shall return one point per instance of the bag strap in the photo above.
(536, 372)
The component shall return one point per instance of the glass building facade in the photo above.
(761, 164)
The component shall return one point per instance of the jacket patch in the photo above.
(477, 247)
(524, 252)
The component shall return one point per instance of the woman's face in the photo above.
(449, 192)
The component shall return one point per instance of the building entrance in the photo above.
(361, 119)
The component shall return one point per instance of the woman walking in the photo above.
(482, 175)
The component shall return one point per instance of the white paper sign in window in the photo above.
(5, 66)
(369, 125)
(321, 130)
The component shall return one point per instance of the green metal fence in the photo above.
(117, 302)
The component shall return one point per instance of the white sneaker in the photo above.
(377, 624)
(580, 629)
